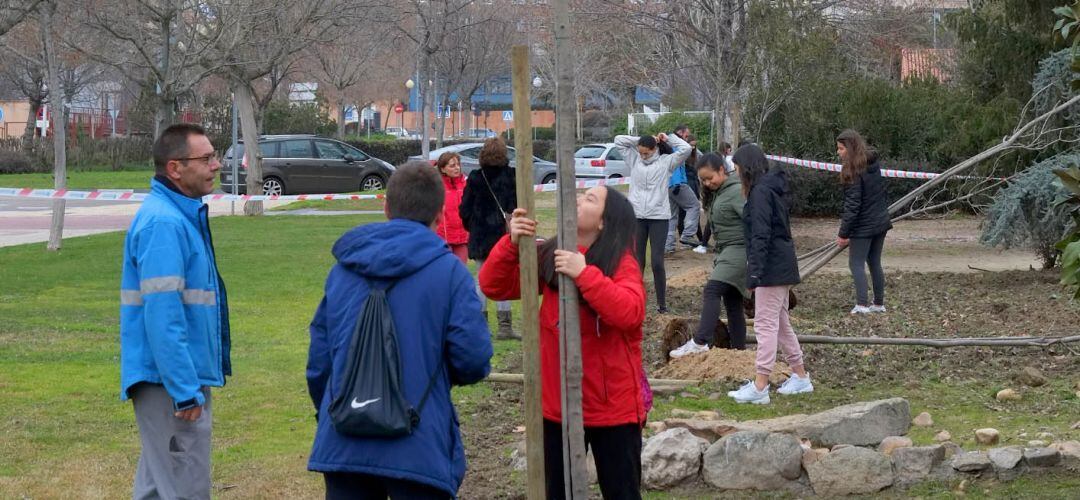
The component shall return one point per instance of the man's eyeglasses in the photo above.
(209, 158)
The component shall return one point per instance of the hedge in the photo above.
(36, 155)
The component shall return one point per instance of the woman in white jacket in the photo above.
(649, 175)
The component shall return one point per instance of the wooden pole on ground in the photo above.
(575, 476)
(530, 300)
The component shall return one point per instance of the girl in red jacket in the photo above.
(612, 300)
(451, 229)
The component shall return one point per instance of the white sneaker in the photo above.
(690, 347)
(748, 393)
(860, 310)
(877, 309)
(795, 385)
(701, 249)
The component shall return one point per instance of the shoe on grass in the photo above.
(877, 308)
(795, 385)
(701, 249)
(748, 393)
(860, 310)
(690, 242)
(690, 347)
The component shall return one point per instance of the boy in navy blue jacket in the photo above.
(437, 316)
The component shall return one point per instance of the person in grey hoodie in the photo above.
(649, 175)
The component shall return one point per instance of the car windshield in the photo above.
(590, 152)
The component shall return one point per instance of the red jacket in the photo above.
(610, 336)
(451, 229)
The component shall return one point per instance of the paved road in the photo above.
(25, 220)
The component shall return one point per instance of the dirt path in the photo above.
(928, 246)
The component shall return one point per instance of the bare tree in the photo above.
(347, 61)
(46, 11)
(168, 43)
(23, 63)
(429, 23)
(252, 39)
(12, 12)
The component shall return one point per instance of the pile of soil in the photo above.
(718, 365)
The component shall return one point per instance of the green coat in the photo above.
(725, 217)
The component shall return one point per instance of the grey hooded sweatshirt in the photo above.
(649, 178)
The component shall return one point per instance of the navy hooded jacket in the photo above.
(437, 316)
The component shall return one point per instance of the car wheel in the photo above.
(372, 183)
(615, 176)
(549, 179)
(272, 186)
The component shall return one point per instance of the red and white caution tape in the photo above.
(835, 167)
(551, 186)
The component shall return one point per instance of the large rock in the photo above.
(753, 460)
(1070, 453)
(915, 464)
(850, 471)
(1005, 458)
(1005, 461)
(671, 457)
(1041, 457)
(859, 424)
(972, 461)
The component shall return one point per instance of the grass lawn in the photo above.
(67, 435)
(120, 179)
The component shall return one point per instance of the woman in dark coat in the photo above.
(489, 199)
(771, 271)
(865, 218)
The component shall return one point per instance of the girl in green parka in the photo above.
(728, 279)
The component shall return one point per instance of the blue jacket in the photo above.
(174, 315)
(437, 317)
(678, 176)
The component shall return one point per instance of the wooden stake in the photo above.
(530, 300)
(575, 476)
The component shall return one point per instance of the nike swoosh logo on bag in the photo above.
(357, 405)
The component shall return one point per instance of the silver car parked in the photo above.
(543, 170)
(601, 161)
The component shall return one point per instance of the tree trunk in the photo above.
(31, 122)
(341, 119)
(245, 108)
(56, 229)
(421, 93)
(165, 114)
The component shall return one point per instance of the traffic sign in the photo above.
(508, 116)
(1, 115)
(398, 108)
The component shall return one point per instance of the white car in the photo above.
(401, 133)
(600, 161)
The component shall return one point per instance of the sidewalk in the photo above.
(29, 225)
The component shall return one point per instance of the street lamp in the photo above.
(409, 84)
(537, 83)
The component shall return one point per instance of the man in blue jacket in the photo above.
(436, 313)
(174, 319)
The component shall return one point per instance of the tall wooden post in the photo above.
(575, 475)
(530, 300)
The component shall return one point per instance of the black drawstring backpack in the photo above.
(370, 402)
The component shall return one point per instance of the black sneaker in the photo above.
(690, 242)
(662, 310)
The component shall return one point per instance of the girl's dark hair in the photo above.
(648, 141)
(752, 165)
(855, 161)
(615, 239)
(711, 161)
(664, 148)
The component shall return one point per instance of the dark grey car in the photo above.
(298, 164)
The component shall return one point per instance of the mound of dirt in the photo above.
(694, 277)
(718, 364)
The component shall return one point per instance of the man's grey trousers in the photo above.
(175, 458)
